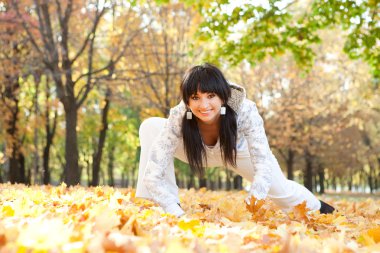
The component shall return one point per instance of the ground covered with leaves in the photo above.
(105, 219)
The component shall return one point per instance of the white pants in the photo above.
(285, 193)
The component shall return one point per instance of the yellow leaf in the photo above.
(186, 225)
(374, 233)
(21, 249)
(8, 211)
(193, 225)
(366, 240)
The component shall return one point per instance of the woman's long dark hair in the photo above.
(208, 78)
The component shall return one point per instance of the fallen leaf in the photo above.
(374, 233)
(254, 204)
(300, 212)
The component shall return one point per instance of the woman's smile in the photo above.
(206, 106)
(205, 112)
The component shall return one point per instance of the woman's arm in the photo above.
(161, 158)
(252, 127)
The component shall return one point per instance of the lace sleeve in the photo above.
(253, 129)
(161, 158)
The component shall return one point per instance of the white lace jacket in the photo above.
(249, 126)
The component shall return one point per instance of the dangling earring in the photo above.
(223, 110)
(189, 115)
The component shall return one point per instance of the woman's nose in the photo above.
(203, 103)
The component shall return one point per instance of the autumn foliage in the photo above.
(105, 219)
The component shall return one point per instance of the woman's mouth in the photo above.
(205, 112)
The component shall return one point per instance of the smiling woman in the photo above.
(214, 125)
(206, 93)
(206, 107)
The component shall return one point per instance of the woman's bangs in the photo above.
(208, 83)
(190, 87)
(205, 80)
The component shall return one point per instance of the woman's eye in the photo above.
(194, 97)
(211, 95)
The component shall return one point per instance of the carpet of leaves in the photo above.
(106, 219)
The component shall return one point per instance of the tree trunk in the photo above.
(71, 148)
(370, 183)
(36, 161)
(289, 164)
(202, 182)
(212, 184)
(46, 158)
(334, 183)
(308, 176)
(111, 160)
(191, 183)
(102, 179)
(16, 172)
(123, 179)
(238, 182)
(349, 183)
(97, 157)
(178, 180)
(321, 174)
(50, 132)
(327, 184)
(21, 161)
(220, 183)
(88, 172)
(228, 180)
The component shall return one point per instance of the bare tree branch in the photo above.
(26, 27)
(82, 95)
(89, 35)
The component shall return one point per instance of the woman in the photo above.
(214, 125)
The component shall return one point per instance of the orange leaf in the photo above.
(254, 205)
(374, 233)
(3, 240)
(300, 211)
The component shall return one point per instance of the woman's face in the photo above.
(206, 107)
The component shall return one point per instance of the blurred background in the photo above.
(77, 77)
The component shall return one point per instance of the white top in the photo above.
(250, 131)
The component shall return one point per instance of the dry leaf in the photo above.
(254, 204)
(300, 212)
(255, 207)
(103, 219)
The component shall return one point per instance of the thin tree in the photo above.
(70, 57)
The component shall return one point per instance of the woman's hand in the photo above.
(174, 209)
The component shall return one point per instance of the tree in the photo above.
(64, 48)
(97, 156)
(305, 111)
(252, 31)
(51, 117)
(162, 56)
(15, 57)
